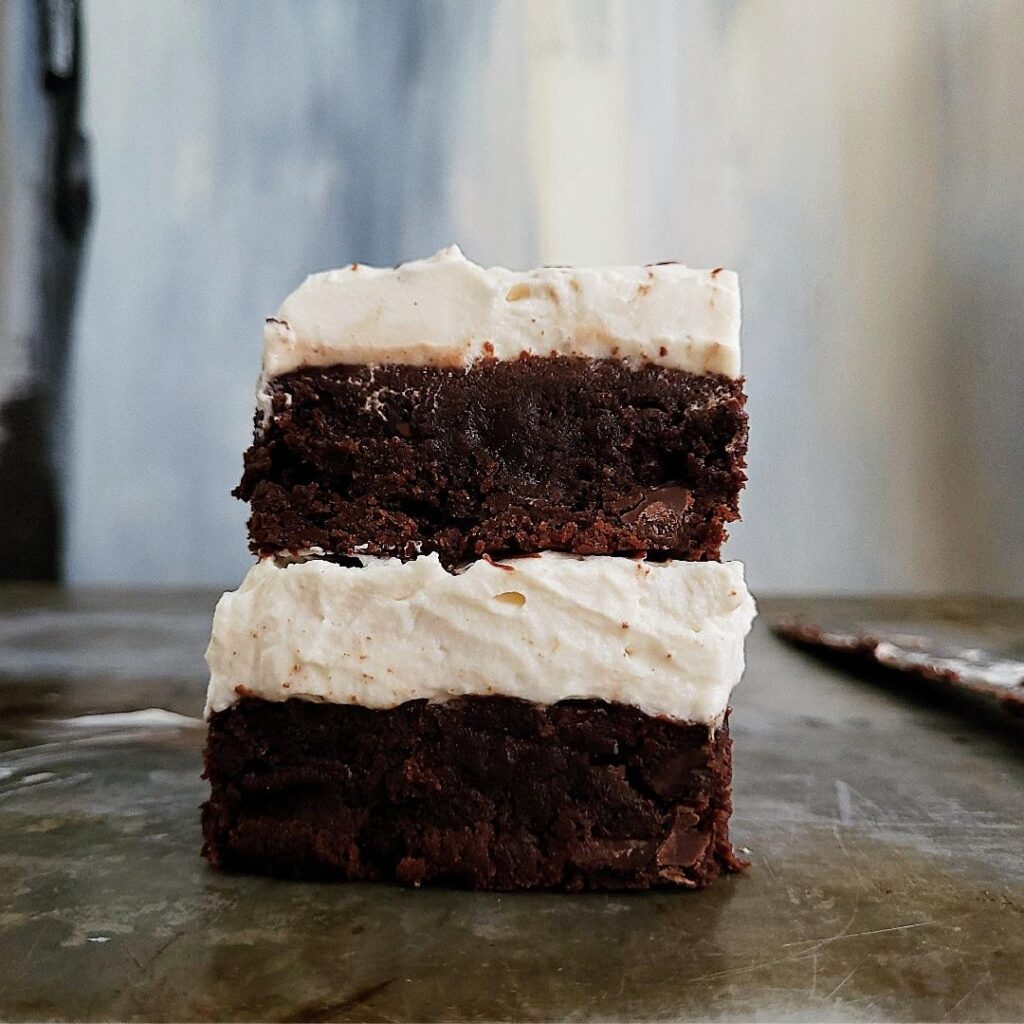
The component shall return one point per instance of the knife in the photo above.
(959, 662)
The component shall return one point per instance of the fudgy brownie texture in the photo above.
(483, 792)
(591, 456)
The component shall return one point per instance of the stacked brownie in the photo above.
(488, 641)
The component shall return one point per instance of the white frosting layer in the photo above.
(448, 311)
(666, 637)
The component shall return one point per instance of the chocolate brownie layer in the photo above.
(563, 454)
(484, 792)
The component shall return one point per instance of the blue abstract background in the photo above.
(858, 163)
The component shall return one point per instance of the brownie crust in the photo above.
(481, 792)
(594, 457)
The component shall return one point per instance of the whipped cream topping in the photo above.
(448, 311)
(665, 637)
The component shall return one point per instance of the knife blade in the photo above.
(959, 662)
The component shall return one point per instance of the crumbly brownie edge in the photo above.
(479, 792)
(565, 454)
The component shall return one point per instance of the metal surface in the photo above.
(885, 834)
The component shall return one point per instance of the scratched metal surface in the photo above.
(885, 834)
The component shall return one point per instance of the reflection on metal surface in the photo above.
(887, 881)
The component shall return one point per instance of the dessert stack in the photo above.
(489, 640)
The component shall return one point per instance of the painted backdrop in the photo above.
(859, 163)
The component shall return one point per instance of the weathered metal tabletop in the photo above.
(885, 833)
